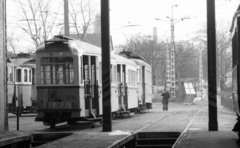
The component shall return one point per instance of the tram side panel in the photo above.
(139, 86)
(114, 88)
(148, 86)
(235, 59)
(20, 89)
(132, 88)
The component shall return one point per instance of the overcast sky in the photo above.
(142, 14)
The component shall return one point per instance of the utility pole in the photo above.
(168, 69)
(170, 57)
(172, 60)
(66, 19)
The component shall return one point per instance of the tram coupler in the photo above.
(236, 128)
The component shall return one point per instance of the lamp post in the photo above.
(170, 56)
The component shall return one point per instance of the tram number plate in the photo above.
(59, 105)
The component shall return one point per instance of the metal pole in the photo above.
(3, 82)
(106, 83)
(168, 70)
(17, 117)
(212, 82)
(172, 60)
(66, 20)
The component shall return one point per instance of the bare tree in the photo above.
(153, 52)
(82, 13)
(11, 42)
(223, 45)
(38, 21)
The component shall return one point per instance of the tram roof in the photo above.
(234, 22)
(75, 46)
(28, 62)
(141, 63)
(123, 60)
(136, 58)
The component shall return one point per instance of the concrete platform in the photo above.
(206, 139)
(18, 138)
(196, 136)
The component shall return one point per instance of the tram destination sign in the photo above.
(60, 105)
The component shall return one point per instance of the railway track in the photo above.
(144, 137)
(154, 123)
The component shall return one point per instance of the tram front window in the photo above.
(57, 70)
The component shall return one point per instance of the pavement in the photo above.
(198, 135)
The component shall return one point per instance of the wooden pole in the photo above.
(212, 81)
(106, 83)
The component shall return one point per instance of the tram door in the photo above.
(143, 87)
(121, 74)
(90, 85)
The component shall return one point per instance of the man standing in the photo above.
(165, 99)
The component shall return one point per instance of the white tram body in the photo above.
(144, 80)
(21, 85)
(145, 93)
(127, 84)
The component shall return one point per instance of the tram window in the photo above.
(25, 75)
(10, 74)
(18, 75)
(30, 76)
(33, 76)
(115, 74)
(140, 75)
(55, 70)
(111, 73)
(100, 72)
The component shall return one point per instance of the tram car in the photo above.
(235, 59)
(144, 80)
(69, 82)
(127, 85)
(21, 84)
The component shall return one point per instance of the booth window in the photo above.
(189, 88)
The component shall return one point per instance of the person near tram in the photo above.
(165, 99)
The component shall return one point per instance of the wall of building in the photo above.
(3, 119)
